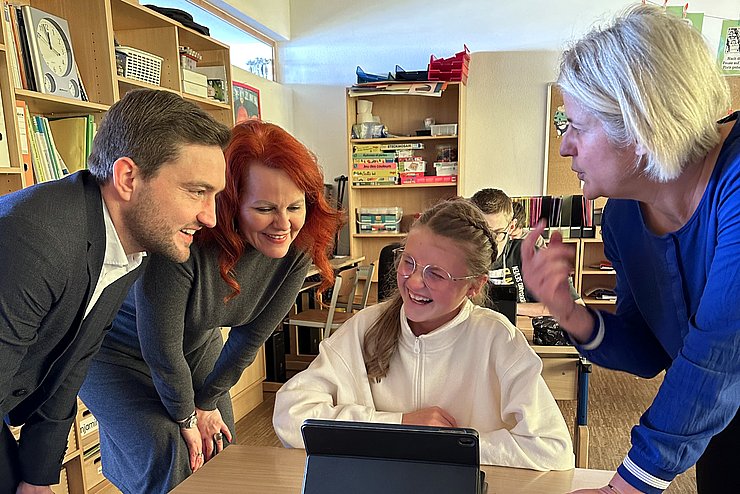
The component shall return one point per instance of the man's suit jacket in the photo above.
(52, 246)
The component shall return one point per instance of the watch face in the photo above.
(54, 47)
(74, 88)
(49, 83)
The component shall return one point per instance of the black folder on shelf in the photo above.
(372, 458)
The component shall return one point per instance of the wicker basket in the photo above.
(140, 65)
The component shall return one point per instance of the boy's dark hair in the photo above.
(493, 201)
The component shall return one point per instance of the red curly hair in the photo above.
(254, 141)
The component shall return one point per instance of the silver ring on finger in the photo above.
(218, 436)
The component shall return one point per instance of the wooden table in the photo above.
(268, 470)
(337, 263)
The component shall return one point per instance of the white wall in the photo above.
(515, 48)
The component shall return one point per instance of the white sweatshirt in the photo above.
(478, 367)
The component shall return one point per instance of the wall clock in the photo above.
(54, 67)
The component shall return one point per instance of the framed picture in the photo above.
(246, 102)
(559, 180)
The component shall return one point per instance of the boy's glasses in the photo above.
(500, 235)
(434, 277)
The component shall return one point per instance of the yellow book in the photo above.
(70, 137)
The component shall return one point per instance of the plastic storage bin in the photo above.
(379, 220)
(445, 168)
(454, 68)
(140, 65)
(444, 130)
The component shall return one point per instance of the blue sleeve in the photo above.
(628, 344)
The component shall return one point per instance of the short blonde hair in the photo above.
(651, 81)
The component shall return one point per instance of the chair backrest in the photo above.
(333, 305)
(367, 274)
(387, 271)
(346, 296)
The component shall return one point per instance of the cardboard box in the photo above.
(194, 89)
(194, 77)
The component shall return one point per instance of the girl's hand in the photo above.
(212, 430)
(434, 416)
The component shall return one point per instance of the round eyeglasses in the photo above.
(433, 276)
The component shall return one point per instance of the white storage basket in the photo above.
(140, 65)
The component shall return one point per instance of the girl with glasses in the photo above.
(430, 356)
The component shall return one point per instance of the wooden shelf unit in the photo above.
(403, 115)
(592, 252)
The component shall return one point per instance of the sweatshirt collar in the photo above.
(441, 337)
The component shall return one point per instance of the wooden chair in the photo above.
(366, 273)
(345, 284)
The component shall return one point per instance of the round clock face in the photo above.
(54, 47)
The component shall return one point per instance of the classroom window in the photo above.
(252, 52)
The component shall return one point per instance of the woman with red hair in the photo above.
(159, 387)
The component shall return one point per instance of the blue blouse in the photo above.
(678, 311)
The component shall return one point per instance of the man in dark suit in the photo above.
(70, 250)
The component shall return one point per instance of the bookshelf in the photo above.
(590, 276)
(94, 25)
(403, 114)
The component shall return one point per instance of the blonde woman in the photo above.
(644, 101)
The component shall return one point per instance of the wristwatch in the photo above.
(190, 422)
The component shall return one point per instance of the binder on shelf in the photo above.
(12, 47)
(39, 152)
(24, 137)
(25, 52)
(4, 149)
(70, 134)
(60, 165)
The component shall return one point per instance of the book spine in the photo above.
(43, 149)
(25, 51)
(13, 55)
(44, 127)
(34, 53)
(374, 165)
(38, 164)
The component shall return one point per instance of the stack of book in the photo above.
(371, 165)
(54, 147)
(572, 216)
(374, 169)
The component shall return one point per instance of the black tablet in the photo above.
(363, 457)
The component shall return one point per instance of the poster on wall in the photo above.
(729, 47)
(246, 102)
